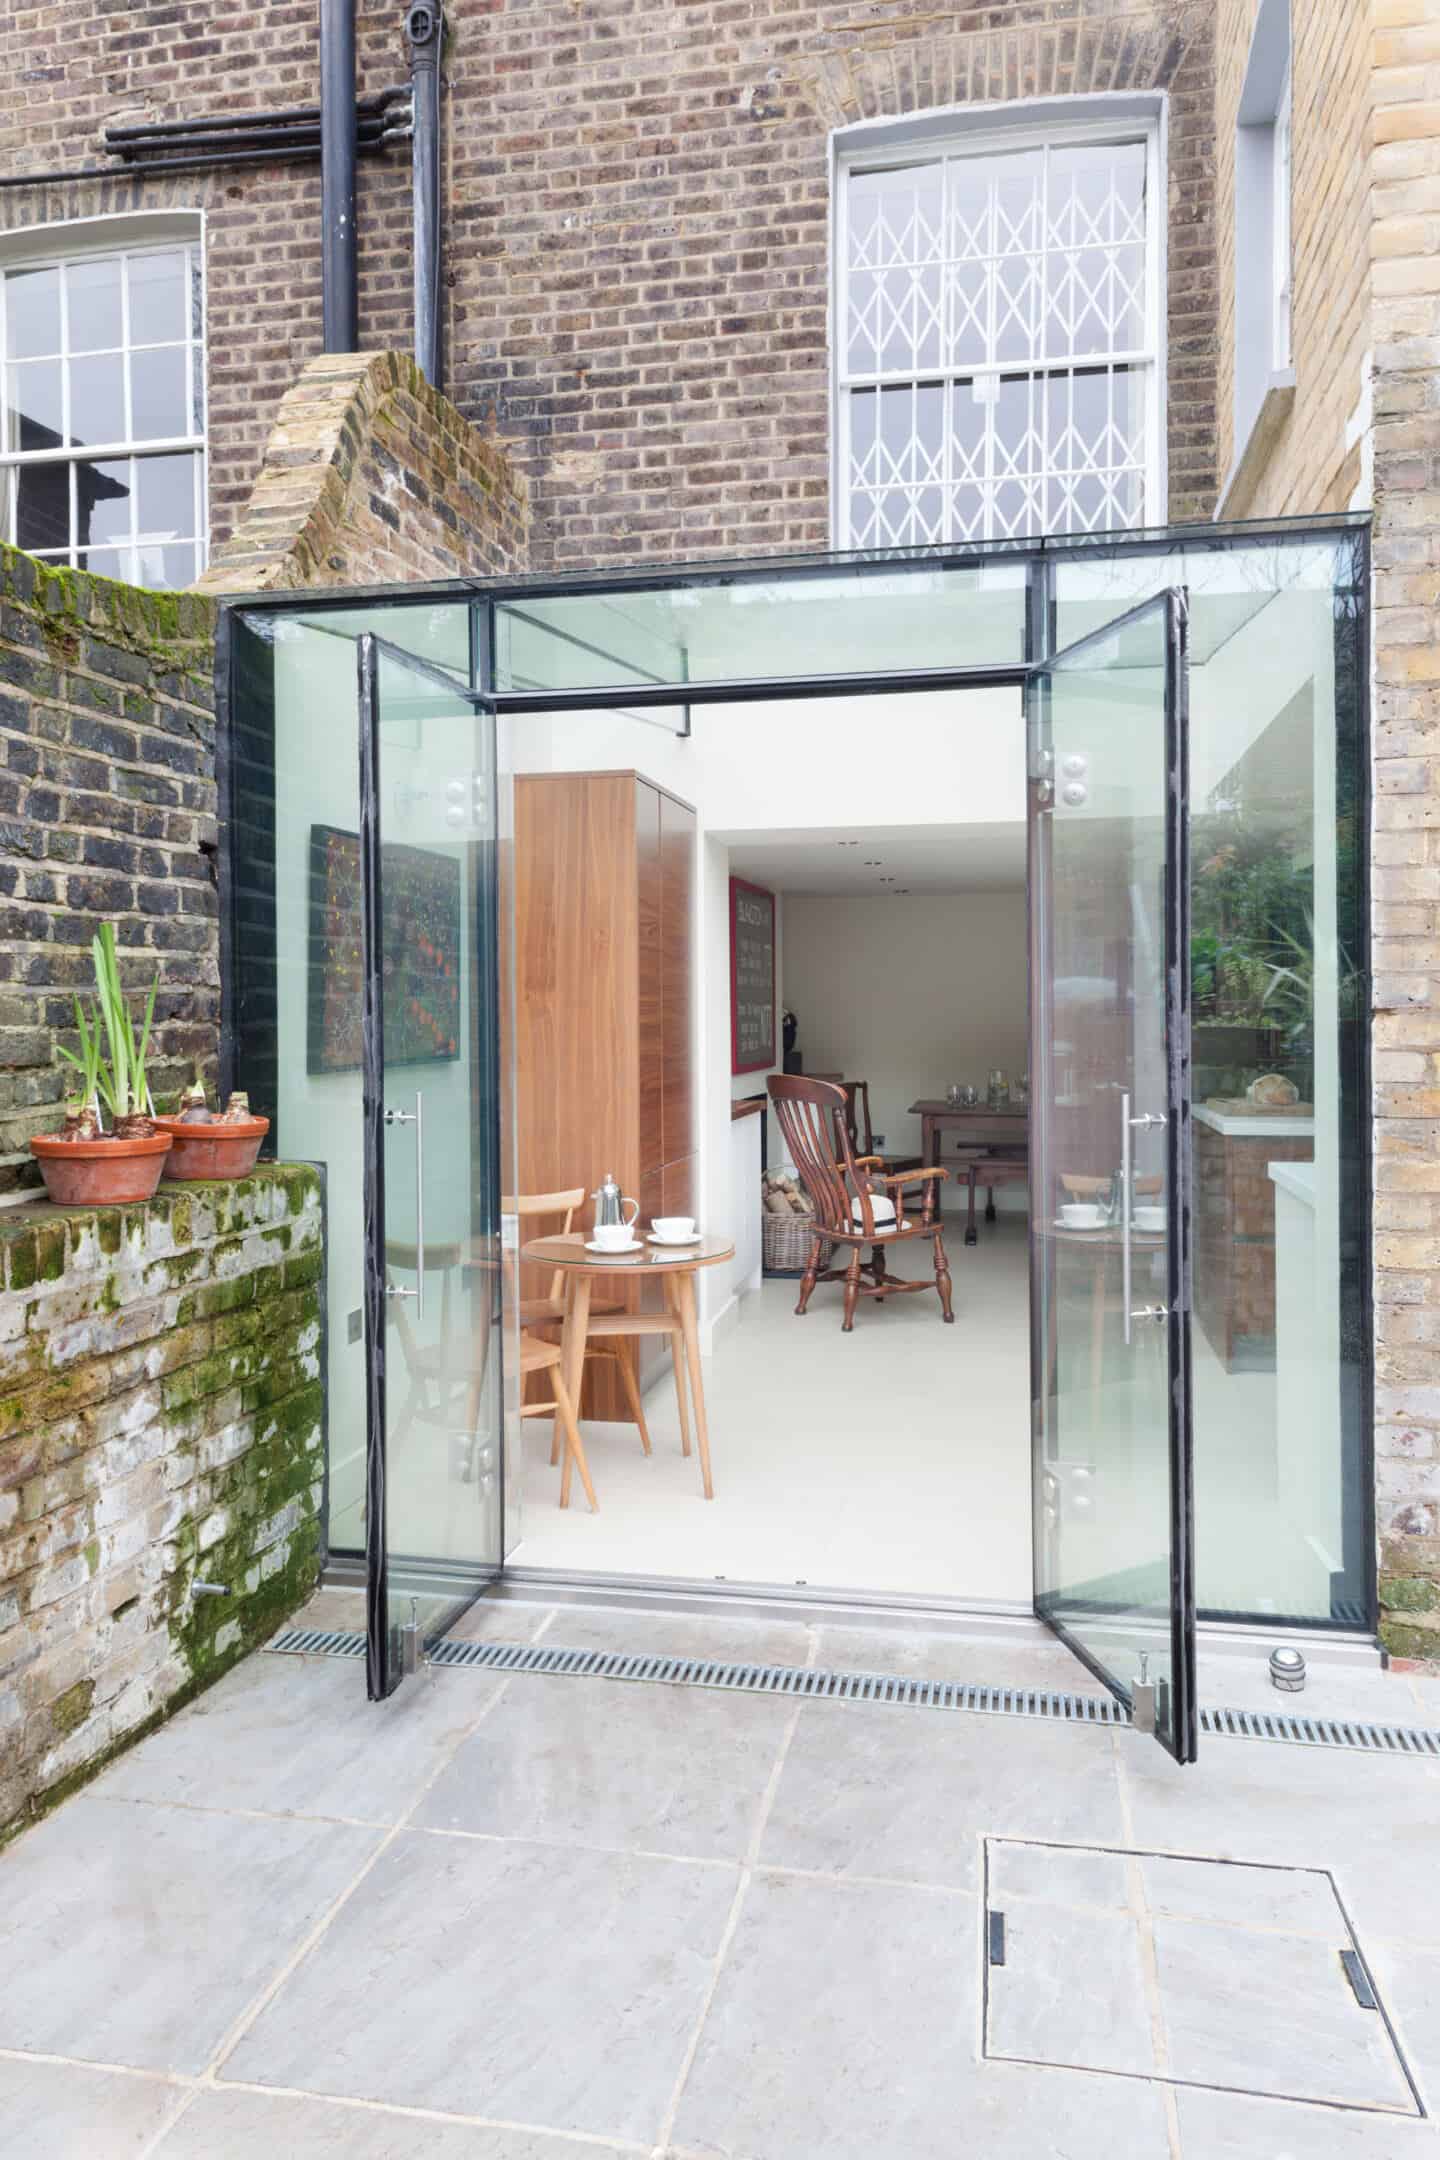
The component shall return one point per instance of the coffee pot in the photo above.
(610, 1206)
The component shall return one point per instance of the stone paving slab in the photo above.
(143, 1932)
(236, 2125)
(530, 1983)
(296, 1736)
(605, 1762)
(907, 1794)
(62, 2111)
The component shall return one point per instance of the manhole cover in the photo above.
(1194, 1971)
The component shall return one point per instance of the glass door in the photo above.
(433, 1518)
(1110, 1192)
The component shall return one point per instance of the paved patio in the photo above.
(544, 1918)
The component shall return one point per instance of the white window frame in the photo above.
(1280, 193)
(50, 247)
(929, 138)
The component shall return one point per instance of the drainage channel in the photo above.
(819, 1684)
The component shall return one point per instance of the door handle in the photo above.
(415, 1117)
(1128, 1125)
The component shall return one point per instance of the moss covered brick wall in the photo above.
(107, 810)
(160, 1425)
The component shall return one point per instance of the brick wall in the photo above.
(1405, 245)
(1312, 461)
(107, 730)
(107, 811)
(160, 1425)
(637, 231)
(80, 66)
(371, 477)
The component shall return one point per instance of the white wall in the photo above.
(909, 994)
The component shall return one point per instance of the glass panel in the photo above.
(110, 562)
(166, 569)
(167, 497)
(1111, 1432)
(32, 313)
(97, 399)
(1278, 970)
(42, 506)
(437, 1425)
(95, 322)
(771, 627)
(102, 501)
(894, 289)
(1095, 269)
(158, 310)
(159, 392)
(34, 418)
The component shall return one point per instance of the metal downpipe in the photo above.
(337, 176)
(425, 28)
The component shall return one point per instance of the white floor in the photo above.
(895, 1458)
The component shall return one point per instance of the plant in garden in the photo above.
(82, 1111)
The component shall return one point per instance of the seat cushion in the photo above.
(882, 1214)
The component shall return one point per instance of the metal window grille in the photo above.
(997, 343)
(102, 447)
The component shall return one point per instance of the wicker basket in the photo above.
(785, 1242)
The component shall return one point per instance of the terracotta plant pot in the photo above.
(213, 1150)
(100, 1173)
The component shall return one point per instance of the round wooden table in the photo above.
(674, 1265)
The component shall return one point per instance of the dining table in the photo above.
(675, 1267)
(979, 1130)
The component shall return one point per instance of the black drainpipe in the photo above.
(337, 175)
(425, 28)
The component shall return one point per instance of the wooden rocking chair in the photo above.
(855, 1204)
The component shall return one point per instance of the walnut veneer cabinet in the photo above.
(604, 909)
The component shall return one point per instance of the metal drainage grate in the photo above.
(814, 1684)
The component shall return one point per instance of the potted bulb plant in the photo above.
(207, 1144)
(90, 1164)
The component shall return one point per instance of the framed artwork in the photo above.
(752, 977)
(420, 923)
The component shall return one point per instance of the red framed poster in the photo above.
(752, 977)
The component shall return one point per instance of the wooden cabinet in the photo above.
(604, 867)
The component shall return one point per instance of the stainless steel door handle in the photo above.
(415, 1117)
(1128, 1124)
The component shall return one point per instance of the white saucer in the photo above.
(1080, 1229)
(613, 1252)
(676, 1244)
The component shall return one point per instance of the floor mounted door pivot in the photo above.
(1110, 1190)
(425, 1011)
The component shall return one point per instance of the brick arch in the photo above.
(905, 67)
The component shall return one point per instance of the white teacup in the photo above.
(613, 1237)
(1081, 1215)
(673, 1229)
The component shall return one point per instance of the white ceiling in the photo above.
(843, 863)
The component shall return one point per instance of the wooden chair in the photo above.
(862, 1133)
(856, 1204)
(537, 1355)
(553, 1215)
(455, 1361)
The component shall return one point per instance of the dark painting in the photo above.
(420, 924)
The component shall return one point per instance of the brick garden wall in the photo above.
(371, 477)
(107, 811)
(160, 1424)
(638, 224)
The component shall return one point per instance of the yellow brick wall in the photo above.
(1309, 466)
(1404, 169)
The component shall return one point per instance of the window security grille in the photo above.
(998, 344)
